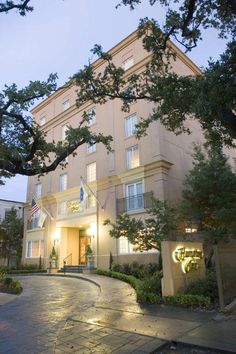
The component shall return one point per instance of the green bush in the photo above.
(16, 286)
(206, 286)
(117, 268)
(139, 271)
(3, 273)
(187, 300)
(152, 284)
(25, 271)
(7, 281)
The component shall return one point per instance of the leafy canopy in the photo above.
(209, 195)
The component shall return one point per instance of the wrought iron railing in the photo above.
(135, 202)
(67, 260)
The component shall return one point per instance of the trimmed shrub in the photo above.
(152, 284)
(7, 281)
(204, 287)
(187, 300)
(26, 271)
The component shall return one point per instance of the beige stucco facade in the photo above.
(160, 162)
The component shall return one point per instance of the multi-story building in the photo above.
(122, 181)
(7, 205)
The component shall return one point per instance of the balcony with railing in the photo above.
(134, 203)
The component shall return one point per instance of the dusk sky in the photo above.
(57, 37)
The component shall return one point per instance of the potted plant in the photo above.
(90, 257)
(53, 258)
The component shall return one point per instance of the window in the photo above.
(63, 182)
(127, 63)
(91, 172)
(92, 116)
(42, 120)
(7, 212)
(124, 246)
(91, 148)
(38, 190)
(35, 249)
(64, 129)
(134, 196)
(130, 123)
(132, 157)
(66, 105)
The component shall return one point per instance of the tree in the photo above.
(209, 196)
(11, 235)
(146, 234)
(209, 97)
(24, 148)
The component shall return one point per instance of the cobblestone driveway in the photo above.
(30, 323)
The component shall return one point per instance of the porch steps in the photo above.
(73, 269)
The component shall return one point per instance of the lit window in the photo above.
(42, 120)
(92, 116)
(63, 182)
(127, 63)
(38, 190)
(134, 196)
(64, 129)
(35, 249)
(66, 105)
(130, 123)
(124, 246)
(91, 172)
(132, 157)
(91, 148)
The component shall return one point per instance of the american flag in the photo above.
(34, 208)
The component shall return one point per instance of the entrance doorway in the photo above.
(84, 241)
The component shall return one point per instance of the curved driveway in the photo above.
(30, 323)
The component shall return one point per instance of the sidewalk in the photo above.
(118, 324)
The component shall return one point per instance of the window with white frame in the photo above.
(63, 182)
(92, 116)
(130, 123)
(91, 172)
(132, 157)
(66, 105)
(64, 129)
(35, 249)
(42, 120)
(91, 148)
(134, 196)
(38, 190)
(124, 246)
(127, 63)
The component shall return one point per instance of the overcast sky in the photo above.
(57, 37)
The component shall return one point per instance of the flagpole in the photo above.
(102, 207)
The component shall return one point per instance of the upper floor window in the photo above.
(91, 148)
(132, 157)
(66, 105)
(92, 116)
(63, 182)
(42, 120)
(127, 63)
(91, 172)
(62, 208)
(38, 190)
(130, 123)
(7, 212)
(64, 129)
(134, 196)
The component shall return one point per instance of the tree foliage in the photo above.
(209, 195)
(208, 97)
(146, 234)
(11, 235)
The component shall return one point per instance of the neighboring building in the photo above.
(123, 181)
(6, 205)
